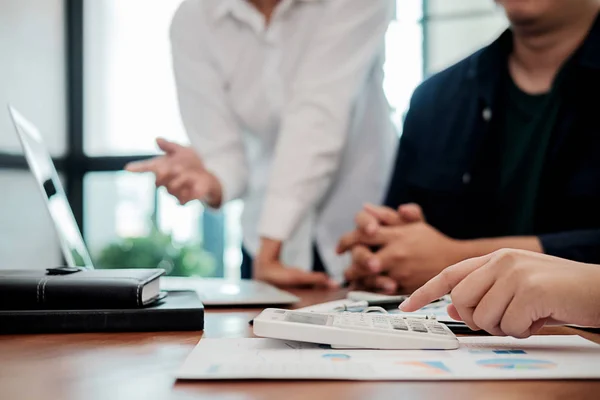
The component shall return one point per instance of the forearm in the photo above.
(481, 247)
(270, 251)
(582, 245)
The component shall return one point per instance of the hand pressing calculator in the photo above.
(355, 330)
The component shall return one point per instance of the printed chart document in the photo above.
(478, 358)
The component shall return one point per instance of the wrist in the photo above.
(595, 312)
(214, 197)
(269, 252)
(578, 294)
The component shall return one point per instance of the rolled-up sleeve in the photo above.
(314, 129)
(208, 119)
(582, 246)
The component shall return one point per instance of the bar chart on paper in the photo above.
(512, 363)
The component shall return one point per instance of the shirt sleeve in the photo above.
(582, 246)
(333, 71)
(202, 93)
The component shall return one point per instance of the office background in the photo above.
(95, 77)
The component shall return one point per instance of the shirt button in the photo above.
(487, 114)
(466, 178)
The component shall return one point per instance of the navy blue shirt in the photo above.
(449, 157)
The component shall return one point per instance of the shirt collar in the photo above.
(487, 64)
(590, 50)
(224, 8)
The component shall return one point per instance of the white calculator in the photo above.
(356, 330)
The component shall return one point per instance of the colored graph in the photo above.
(516, 363)
(496, 351)
(431, 367)
(336, 357)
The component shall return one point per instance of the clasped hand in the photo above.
(396, 250)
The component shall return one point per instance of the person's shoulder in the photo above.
(446, 83)
(193, 8)
(204, 6)
(191, 14)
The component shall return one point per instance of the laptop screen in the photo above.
(44, 172)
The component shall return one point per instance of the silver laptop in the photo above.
(216, 292)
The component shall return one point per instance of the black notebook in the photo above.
(179, 311)
(58, 288)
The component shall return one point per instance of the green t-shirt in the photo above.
(525, 136)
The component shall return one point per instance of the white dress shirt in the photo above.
(291, 117)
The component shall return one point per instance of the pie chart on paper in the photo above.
(336, 357)
(515, 363)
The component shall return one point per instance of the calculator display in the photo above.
(307, 318)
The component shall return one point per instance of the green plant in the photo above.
(158, 250)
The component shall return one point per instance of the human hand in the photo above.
(181, 171)
(371, 218)
(268, 268)
(408, 256)
(515, 292)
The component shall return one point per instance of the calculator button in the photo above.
(400, 327)
(418, 328)
(438, 330)
(381, 322)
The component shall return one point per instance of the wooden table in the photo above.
(141, 366)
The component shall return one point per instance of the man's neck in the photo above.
(266, 7)
(538, 56)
